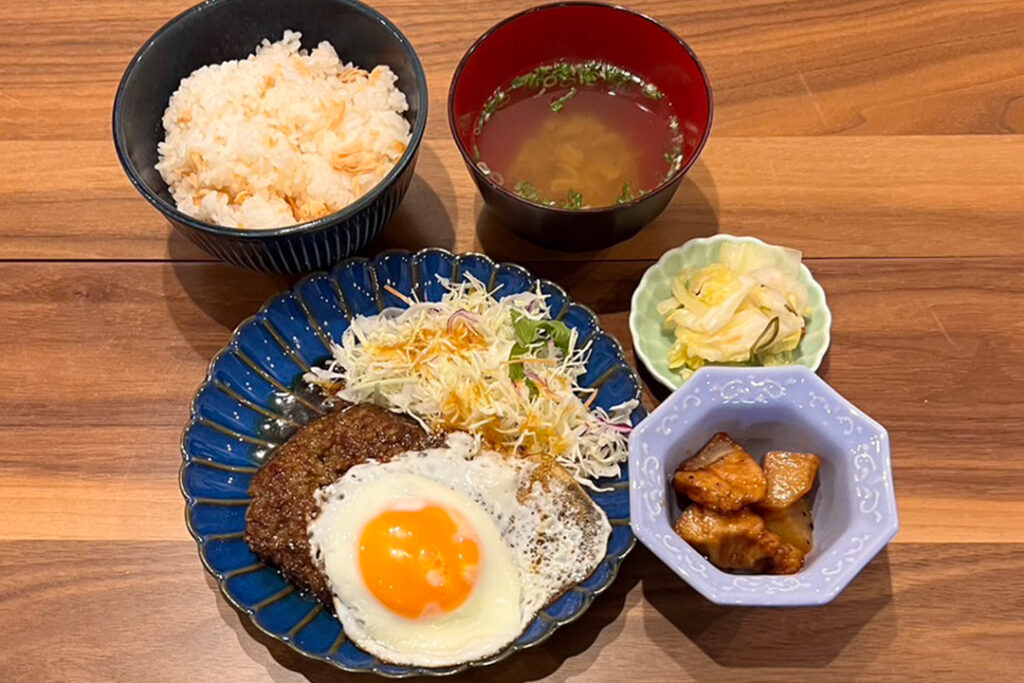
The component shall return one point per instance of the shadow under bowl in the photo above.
(578, 32)
(221, 30)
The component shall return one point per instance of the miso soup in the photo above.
(578, 136)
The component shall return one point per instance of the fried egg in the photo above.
(444, 556)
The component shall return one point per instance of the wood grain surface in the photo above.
(885, 139)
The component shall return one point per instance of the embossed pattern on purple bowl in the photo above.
(787, 408)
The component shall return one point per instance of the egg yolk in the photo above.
(418, 562)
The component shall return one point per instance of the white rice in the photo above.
(281, 137)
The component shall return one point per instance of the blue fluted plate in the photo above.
(253, 399)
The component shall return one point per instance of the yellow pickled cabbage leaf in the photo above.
(748, 307)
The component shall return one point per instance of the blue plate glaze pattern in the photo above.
(253, 399)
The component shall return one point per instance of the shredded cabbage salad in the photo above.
(748, 308)
(501, 369)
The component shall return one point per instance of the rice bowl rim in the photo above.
(171, 211)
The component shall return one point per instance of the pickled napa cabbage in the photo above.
(748, 308)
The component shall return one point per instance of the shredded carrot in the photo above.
(403, 297)
(527, 359)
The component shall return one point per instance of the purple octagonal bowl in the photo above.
(786, 408)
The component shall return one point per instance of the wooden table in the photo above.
(884, 139)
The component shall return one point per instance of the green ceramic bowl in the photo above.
(652, 341)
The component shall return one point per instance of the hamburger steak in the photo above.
(316, 455)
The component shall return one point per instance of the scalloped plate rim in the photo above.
(553, 624)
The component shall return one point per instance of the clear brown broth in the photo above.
(606, 144)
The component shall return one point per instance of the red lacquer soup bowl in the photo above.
(576, 32)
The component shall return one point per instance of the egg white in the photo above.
(487, 620)
(530, 549)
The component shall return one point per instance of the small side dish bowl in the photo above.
(219, 30)
(785, 408)
(652, 341)
(578, 32)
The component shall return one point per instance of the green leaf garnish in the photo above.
(563, 74)
(765, 339)
(651, 91)
(574, 200)
(558, 104)
(626, 195)
(529, 334)
(529, 192)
